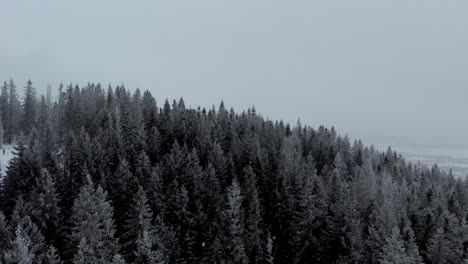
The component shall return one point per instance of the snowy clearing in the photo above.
(6, 154)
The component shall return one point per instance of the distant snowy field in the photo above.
(5, 158)
(445, 158)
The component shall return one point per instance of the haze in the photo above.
(389, 72)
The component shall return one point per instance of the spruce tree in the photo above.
(393, 251)
(5, 110)
(52, 256)
(253, 235)
(86, 255)
(138, 222)
(45, 211)
(144, 252)
(21, 249)
(438, 250)
(92, 226)
(28, 119)
(5, 237)
(117, 259)
(14, 112)
(235, 247)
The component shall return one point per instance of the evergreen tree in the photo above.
(235, 248)
(438, 250)
(5, 237)
(394, 252)
(5, 110)
(93, 227)
(29, 230)
(52, 256)
(45, 211)
(21, 252)
(122, 185)
(253, 235)
(28, 119)
(144, 249)
(14, 112)
(1, 134)
(117, 259)
(86, 255)
(138, 222)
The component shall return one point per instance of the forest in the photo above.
(110, 175)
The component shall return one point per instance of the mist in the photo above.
(388, 72)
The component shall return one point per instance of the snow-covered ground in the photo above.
(5, 158)
(446, 158)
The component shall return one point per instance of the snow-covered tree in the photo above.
(21, 248)
(235, 247)
(92, 226)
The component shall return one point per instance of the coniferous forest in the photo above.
(110, 175)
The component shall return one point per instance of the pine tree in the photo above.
(45, 210)
(235, 248)
(5, 110)
(92, 226)
(393, 251)
(138, 222)
(5, 237)
(410, 245)
(144, 249)
(14, 112)
(253, 235)
(21, 217)
(28, 118)
(52, 256)
(86, 255)
(1, 134)
(117, 259)
(21, 252)
(122, 185)
(438, 250)
(153, 144)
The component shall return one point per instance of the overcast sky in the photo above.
(389, 72)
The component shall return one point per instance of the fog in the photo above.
(388, 72)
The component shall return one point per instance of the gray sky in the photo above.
(389, 72)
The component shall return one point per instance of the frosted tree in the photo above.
(253, 235)
(117, 259)
(137, 223)
(4, 108)
(45, 210)
(86, 255)
(21, 248)
(394, 252)
(5, 235)
(145, 253)
(438, 250)
(1, 134)
(411, 247)
(28, 118)
(52, 257)
(13, 112)
(20, 217)
(235, 247)
(92, 225)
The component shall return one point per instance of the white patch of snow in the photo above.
(6, 154)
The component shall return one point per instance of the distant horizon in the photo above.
(386, 72)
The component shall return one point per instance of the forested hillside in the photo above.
(108, 175)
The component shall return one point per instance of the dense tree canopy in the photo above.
(106, 176)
